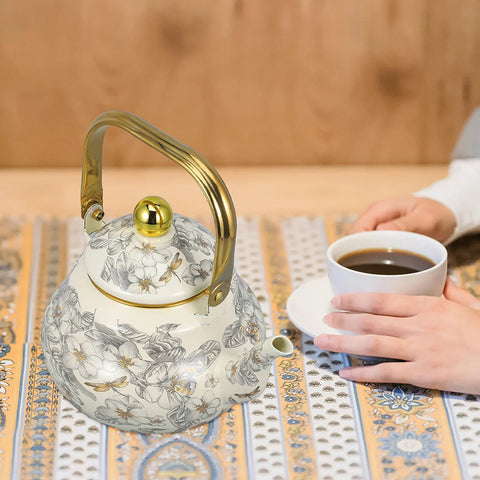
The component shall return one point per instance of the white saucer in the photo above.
(307, 306)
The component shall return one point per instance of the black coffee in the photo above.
(385, 262)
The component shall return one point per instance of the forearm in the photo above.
(460, 190)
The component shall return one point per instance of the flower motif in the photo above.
(249, 322)
(167, 386)
(119, 238)
(409, 445)
(124, 358)
(152, 424)
(211, 381)
(143, 280)
(121, 411)
(81, 357)
(399, 399)
(202, 409)
(140, 266)
(113, 230)
(204, 243)
(248, 311)
(131, 270)
(4, 349)
(64, 312)
(147, 253)
(241, 372)
(231, 370)
(198, 273)
(195, 411)
(258, 360)
(158, 422)
(5, 366)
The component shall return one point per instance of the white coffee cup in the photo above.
(425, 282)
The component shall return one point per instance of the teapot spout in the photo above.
(277, 346)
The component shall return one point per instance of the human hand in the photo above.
(415, 214)
(438, 338)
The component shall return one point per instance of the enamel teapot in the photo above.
(153, 331)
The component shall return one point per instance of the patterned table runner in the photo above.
(308, 423)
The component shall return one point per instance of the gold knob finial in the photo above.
(152, 216)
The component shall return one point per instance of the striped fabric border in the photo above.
(338, 447)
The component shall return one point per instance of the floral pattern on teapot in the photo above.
(129, 374)
(141, 265)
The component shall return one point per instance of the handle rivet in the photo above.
(218, 297)
(98, 214)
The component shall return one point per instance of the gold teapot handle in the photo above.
(201, 170)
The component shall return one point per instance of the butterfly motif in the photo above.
(105, 386)
(174, 265)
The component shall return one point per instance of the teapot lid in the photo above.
(151, 258)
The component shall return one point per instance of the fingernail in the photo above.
(336, 302)
(327, 319)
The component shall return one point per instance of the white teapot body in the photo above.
(154, 371)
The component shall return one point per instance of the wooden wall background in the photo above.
(241, 81)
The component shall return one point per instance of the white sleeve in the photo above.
(460, 190)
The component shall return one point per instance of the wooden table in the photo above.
(255, 190)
